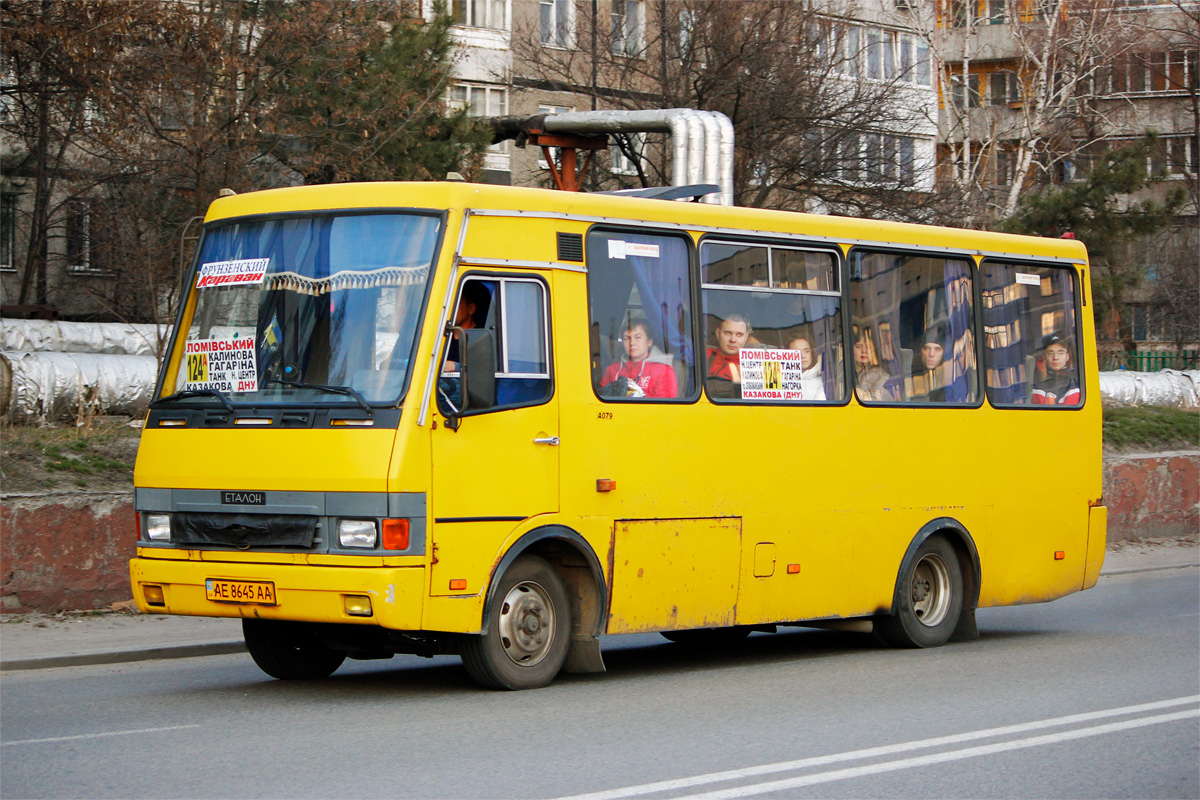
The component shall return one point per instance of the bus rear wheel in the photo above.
(929, 601)
(289, 651)
(528, 631)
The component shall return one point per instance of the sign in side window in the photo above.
(772, 322)
(1030, 351)
(640, 307)
(515, 310)
(914, 329)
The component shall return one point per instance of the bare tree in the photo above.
(147, 110)
(825, 107)
(1028, 94)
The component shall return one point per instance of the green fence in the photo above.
(1150, 360)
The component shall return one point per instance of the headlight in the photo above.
(356, 533)
(158, 527)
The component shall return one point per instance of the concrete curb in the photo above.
(95, 657)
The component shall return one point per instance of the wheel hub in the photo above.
(526, 624)
(931, 590)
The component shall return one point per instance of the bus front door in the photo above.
(500, 467)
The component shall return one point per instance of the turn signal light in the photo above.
(458, 584)
(1059, 555)
(605, 485)
(154, 595)
(793, 569)
(395, 534)
(357, 605)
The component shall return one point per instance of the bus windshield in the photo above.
(307, 309)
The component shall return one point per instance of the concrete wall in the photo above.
(65, 551)
(1152, 495)
(71, 550)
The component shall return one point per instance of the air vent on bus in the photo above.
(216, 419)
(295, 419)
(570, 247)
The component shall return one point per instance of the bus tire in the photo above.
(929, 600)
(528, 631)
(289, 651)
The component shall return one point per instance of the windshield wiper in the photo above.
(217, 393)
(346, 390)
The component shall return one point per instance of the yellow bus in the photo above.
(450, 418)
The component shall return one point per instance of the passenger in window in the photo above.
(1057, 382)
(471, 313)
(929, 371)
(870, 377)
(644, 371)
(812, 381)
(724, 368)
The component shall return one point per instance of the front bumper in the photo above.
(303, 593)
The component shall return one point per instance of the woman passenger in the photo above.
(812, 382)
(870, 379)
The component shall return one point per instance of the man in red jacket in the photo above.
(644, 378)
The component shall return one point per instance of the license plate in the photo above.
(240, 591)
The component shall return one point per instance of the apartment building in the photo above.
(527, 57)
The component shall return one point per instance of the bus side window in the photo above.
(772, 318)
(640, 326)
(1030, 351)
(914, 321)
(516, 312)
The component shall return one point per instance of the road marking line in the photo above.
(941, 758)
(870, 752)
(96, 735)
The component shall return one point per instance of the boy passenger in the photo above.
(643, 377)
(1061, 384)
(929, 373)
(724, 368)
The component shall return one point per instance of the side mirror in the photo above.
(478, 369)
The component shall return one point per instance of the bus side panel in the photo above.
(1037, 553)
(798, 566)
(671, 574)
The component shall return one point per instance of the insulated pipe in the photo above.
(725, 158)
(692, 142)
(712, 135)
(695, 172)
(679, 149)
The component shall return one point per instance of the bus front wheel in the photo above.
(289, 651)
(528, 631)
(929, 601)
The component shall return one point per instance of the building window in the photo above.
(628, 24)
(556, 22)
(963, 96)
(79, 239)
(619, 161)
(1006, 163)
(1004, 88)
(8, 232)
(484, 101)
(480, 13)
(480, 101)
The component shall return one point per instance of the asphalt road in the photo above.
(1095, 695)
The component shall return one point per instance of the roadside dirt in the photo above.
(97, 457)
